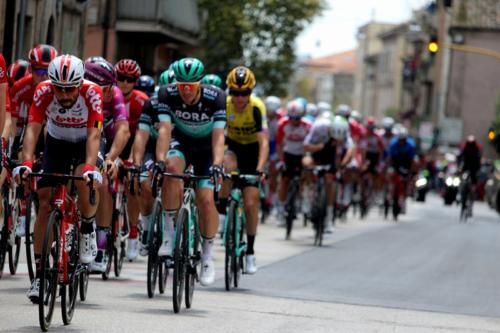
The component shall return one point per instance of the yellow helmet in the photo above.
(240, 78)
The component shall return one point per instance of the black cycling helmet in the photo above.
(146, 84)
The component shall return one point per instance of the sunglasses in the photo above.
(240, 93)
(41, 71)
(65, 89)
(128, 79)
(191, 86)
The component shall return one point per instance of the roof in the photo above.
(344, 62)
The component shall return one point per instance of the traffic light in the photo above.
(433, 45)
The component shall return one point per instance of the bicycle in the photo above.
(119, 226)
(10, 242)
(396, 193)
(466, 197)
(319, 203)
(234, 226)
(186, 245)
(157, 266)
(60, 264)
(291, 203)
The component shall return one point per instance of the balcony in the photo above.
(176, 20)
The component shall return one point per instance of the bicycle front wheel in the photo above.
(229, 246)
(179, 273)
(49, 272)
(31, 214)
(154, 240)
(69, 292)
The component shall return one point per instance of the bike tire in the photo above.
(110, 250)
(14, 255)
(229, 246)
(31, 214)
(179, 272)
(290, 205)
(49, 272)
(192, 264)
(238, 236)
(119, 256)
(153, 245)
(69, 292)
(3, 248)
(321, 213)
(83, 285)
(163, 276)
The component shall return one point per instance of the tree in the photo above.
(257, 33)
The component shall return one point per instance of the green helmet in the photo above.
(188, 70)
(212, 79)
(167, 77)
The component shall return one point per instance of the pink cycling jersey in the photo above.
(114, 112)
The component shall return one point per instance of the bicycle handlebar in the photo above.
(92, 198)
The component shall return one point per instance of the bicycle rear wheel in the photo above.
(179, 273)
(229, 246)
(49, 272)
(83, 285)
(120, 252)
(320, 212)
(31, 214)
(154, 240)
(290, 208)
(192, 261)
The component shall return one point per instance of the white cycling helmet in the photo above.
(295, 110)
(388, 123)
(312, 110)
(273, 104)
(343, 110)
(356, 115)
(339, 128)
(66, 71)
(401, 131)
(324, 106)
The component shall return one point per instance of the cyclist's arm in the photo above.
(348, 156)
(218, 146)
(139, 147)
(7, 130)
(92, 146)
(3, 91)
(30, 139)
(263, 138)
(163, 141)
(121, 138)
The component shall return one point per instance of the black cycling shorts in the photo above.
(293, 165)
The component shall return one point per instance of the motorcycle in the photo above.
(422, 185)
(451, 187)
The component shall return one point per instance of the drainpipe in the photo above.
(20, 31)
(105, 26)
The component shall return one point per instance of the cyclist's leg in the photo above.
(230, 165)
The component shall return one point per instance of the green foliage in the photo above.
(392, 112)
(259, 34)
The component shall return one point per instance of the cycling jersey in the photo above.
(114, 112)
(402, 155)
(134, 104)
(373, 143)
(192, 121)
(244, 126)
(292, 137)
(273, 129)
(68, 124)
(3, 69)
(21, 98)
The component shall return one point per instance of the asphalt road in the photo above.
(426, 273)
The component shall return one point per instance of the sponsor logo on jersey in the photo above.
(2, 73)
(186, 115)
(95, 99)
(39, 93)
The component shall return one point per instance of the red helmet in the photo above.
(128, 67)
(370, 123)
(41, 55)
(17, 70)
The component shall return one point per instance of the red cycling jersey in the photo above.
(3, 70)
(21, 96)
(68, 124)
(134, 104)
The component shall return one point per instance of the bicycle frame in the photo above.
(239, 223)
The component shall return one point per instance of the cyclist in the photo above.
(330, 144)
(4, 94)
(212, 79)
(198, 112)
(402, 152)
(469, 158)
(128, 72)
(247, 139)
(17, 70)
(22, 91)
(273, 104)
(167, 77)
(292, 131)
(374, 153)
(388, 132)
(312, 112)
(116, 134)
(72, 108)
(146, 84)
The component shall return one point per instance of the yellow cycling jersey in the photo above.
(243, 127)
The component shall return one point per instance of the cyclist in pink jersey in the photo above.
(116, 133)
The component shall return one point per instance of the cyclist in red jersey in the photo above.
(4, 96)
(72, 108)
(22, 91)
(17, 70)
(128, 72)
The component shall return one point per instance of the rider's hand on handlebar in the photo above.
(111, 168)
(90, 174)
(216, 171)
(22, 171)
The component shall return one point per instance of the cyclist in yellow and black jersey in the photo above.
(248, 148)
